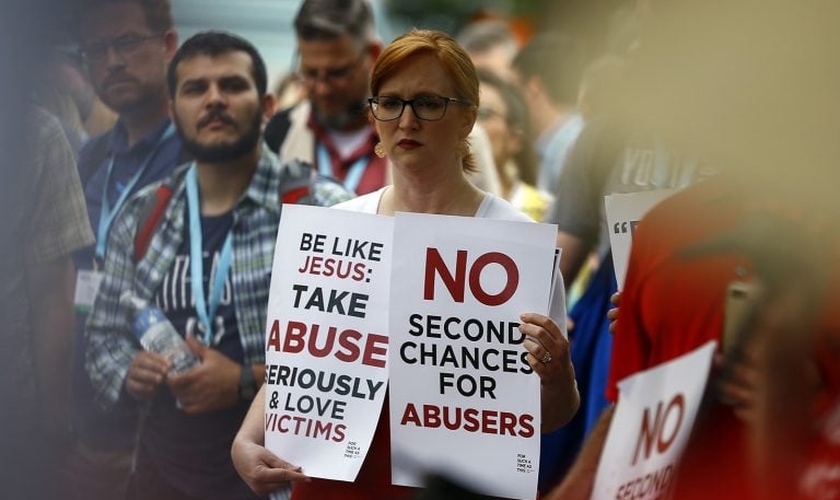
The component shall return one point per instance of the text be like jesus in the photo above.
(342, 268)
(349, 247)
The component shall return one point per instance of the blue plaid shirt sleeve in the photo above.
(326, 193)
(111, 346)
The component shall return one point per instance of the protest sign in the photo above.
(650, 427)
(326, 338)
(623, 212)
(463, 398)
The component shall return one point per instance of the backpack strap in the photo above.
(151, 213)
(301, 183)
(277, 128)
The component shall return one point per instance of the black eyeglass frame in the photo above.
(332, 76)
(373, 102)
(122, 46)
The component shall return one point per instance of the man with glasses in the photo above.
(337, 46)
(126, 45)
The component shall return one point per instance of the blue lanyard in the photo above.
(205, 314)
(354, 175)
(106, 216)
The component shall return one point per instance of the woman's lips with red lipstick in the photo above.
(408, 144)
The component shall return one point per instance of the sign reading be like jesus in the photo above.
(326, 338)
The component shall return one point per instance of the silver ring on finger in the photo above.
(547, 358)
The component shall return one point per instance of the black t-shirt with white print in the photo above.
(192, 452)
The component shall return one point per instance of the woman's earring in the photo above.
(464, 148)
(379, 150)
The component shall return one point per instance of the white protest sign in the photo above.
(650, 427)
(623, 212)
(326, 338)
(463, 399)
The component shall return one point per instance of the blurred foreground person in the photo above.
(46, 224)
(126, 45)
(425, 95)
(762, 224)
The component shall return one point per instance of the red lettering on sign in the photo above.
(456, 283)
(510, 286)
(346, 345)
(652, 432)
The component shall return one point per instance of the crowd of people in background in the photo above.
(152, 162)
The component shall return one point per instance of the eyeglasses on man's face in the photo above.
(124, 46)
(429, 108)
(332, 77)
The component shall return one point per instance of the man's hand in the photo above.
(738, 386)
(145, 375)
(211, 385)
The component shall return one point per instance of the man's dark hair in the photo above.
(330, 19)
(555, 58)
(483, 36)
(158, 12)
(213, 44)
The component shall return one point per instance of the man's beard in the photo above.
(147, 98)
(223, 153)
(147, 95)
(353, 114)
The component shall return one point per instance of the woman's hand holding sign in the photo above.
(548, 355)
(261, 470)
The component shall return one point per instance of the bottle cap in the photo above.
(131, 301)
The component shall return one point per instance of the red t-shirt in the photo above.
(821, 477)
(672, 303)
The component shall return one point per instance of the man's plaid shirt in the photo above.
(111, 343)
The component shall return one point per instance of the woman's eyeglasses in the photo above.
(428, 107)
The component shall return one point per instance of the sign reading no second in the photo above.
(650, 427)
(463, 399)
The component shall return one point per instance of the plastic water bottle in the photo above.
(156, 334)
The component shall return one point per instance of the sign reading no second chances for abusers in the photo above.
(463, 399)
